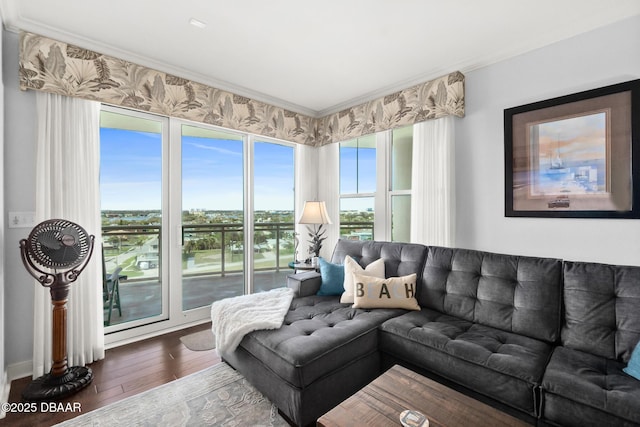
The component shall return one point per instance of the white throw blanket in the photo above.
(233, 318)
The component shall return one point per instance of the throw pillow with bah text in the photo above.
(394, 292)
(351, 267)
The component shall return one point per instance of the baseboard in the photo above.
(152, 334)
(13, 372)
(19, 370)
(5, 387)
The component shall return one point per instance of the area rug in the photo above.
(216, 396)
(199, 341)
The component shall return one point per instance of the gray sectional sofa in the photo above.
(543, 339)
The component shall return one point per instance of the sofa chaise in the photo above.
(540, 338)
(325, 351)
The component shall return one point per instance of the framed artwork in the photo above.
(576, 156)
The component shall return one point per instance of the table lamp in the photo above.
(315, 213)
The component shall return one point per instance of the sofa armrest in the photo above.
(304, 284)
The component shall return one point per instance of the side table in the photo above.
(303, 266)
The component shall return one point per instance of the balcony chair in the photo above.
(111, 293)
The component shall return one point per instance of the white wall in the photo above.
(4, 381)
(19, 195)
(599, 58)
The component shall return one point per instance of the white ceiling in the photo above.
(313, 57)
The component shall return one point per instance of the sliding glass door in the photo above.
(273, 214)
(133, 217)
(192, 214)
(213, 217)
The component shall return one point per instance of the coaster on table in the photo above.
(411, 418)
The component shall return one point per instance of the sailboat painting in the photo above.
(575, 156)
(569, 156)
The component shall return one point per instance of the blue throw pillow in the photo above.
(633, 368)
(332, 278)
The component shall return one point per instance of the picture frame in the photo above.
(575, 156)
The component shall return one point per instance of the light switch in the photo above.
(22, 219)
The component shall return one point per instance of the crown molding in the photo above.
(16, 24)
(9, 15)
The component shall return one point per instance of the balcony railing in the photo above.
(356, 230)
(136, 247)
(212, 262)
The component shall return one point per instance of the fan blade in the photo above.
(49, 239)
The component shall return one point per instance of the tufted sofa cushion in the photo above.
(583, 389)
(503, 365)
(584, 383)
(319, 335)
(601, 305)
(400, 259)
(512, 293)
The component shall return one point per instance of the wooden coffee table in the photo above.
(381, 402)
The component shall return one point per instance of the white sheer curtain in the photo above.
(433, 185)
(317, 179)
(329, 192)
(306, 182)
(67, 187)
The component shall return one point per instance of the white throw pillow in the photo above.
(393, 292)
(375, 269)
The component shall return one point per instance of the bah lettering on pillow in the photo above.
(393, 292)
(351, 267)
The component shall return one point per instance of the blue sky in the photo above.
(130, 170)
(212, 173)
(357, 170)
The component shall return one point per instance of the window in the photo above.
(358, 166)
(375, 186)
(357, 188)
(400, 186)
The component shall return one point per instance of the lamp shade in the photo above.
(314, 213)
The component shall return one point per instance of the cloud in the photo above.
(216, 149)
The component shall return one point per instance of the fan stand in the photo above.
(61, 381)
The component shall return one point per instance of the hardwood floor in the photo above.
(124, 372)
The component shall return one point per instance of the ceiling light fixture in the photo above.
(197, 23)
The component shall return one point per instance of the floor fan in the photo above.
(55, 253)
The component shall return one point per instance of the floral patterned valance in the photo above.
(65, 69)
(431, 100)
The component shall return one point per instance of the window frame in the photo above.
(125, 331)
